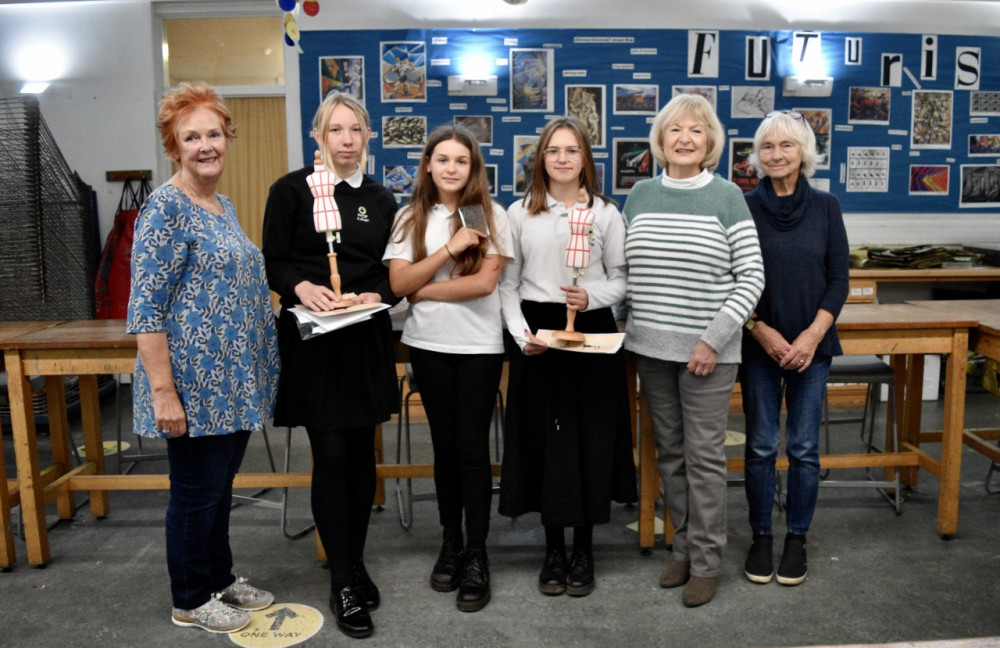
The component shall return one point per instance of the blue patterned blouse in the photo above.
(197, 277)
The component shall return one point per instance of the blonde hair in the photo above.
(322, 118)
(698, 108)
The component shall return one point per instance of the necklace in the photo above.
(211, 205)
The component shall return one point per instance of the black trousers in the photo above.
(343, 489)
(459, 392)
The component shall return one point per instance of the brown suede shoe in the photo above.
(676, 574)
(699, 591)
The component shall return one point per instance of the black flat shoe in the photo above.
(364, 586)
(351, 614)
(552, 578)
(474, 586)
(580, 580)
(444, 576)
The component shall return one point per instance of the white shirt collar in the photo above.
(555, 205)
(355, 179)
(694, 182)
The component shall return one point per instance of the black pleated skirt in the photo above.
(336, 381)
(567, 443)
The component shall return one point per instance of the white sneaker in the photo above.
(214, 616)
(243, 596)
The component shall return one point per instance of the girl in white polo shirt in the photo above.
(449, 274)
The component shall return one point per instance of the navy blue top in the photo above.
(806, 260)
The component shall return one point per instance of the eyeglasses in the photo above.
(790, 113)
(571, 152)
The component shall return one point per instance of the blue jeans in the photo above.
(763, 382)
(199, 560)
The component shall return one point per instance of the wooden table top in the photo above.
(986, 311)
(78, 334)
(975, 273)
(10, 330)
(859, 317)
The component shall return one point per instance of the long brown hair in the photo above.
(413, 222)
(535, 200)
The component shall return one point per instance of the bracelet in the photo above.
(453, 257)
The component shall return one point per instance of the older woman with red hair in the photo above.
(207, 368)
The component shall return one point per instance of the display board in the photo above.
(908, 123)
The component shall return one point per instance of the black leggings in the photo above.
(459, 392)
(343, 489)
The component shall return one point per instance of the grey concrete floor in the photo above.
(874, 577)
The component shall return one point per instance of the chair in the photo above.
(872, 371)
(404, 486)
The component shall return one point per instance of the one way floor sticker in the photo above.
(278, 626)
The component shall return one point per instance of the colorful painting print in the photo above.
(931, 123)
(980, 186)
(586, 103)
(819, 120)
(531, 80)
(525, 147)
(403, 71)
(636, 99)
(633, 161)
(751, 102)
(342, 74)
(984, 145)
(929, 179)
(399, 179)
(741, 172)
(869, 105)
(709, 92)
(491, 178)
(599, 172)
(404, 131)
(479, 125)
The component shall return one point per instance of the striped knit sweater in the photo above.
(695, 270)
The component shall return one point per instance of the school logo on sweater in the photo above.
(362, 214)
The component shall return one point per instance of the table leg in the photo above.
(93, 440)
(55, 397)
(6, 534)
(649, 478)
(26, 456)
(910, 384)
(951, 434)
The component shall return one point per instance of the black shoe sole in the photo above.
(580, 591)
(550, 589)
(473, 606)
(356, 634)
(443, 587)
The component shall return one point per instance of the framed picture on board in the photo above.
(404, 131)
(532, 85)
(636, 99)
(586, 103)
(525, 147)
(980, 186)
(929, 179)
(741, 172)
(403, 70)
(479, 125)
(633, 161)
(819, 120)
(342, 74)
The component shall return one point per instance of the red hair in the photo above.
(180, 103)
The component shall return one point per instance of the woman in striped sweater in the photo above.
(695, 275)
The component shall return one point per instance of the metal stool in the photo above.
(404, 491)
(872, 371)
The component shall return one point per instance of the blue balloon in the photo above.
(286, 5)
(289, 41)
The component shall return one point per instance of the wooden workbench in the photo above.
(906, 332)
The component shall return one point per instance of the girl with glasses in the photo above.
(567, 445)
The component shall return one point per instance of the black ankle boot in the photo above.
(474, 585)
(364, 586)
(580, 581)
(445, 575)
(552, 578)
(351, 614)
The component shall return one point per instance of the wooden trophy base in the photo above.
(569, 337)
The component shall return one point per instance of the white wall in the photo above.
(102, 113)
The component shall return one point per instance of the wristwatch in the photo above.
(752, 322)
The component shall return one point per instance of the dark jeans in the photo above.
(343, 488)
(763, 383)
(459, 392)
(199, 560)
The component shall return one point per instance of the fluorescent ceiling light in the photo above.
(34, 87)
